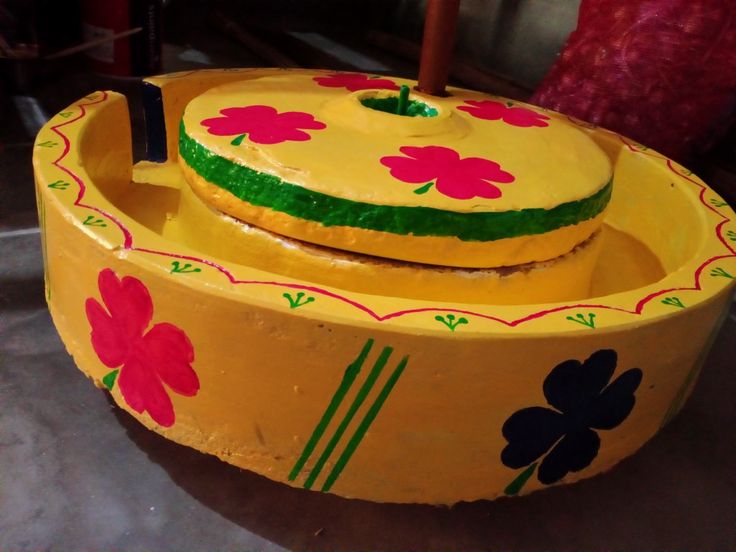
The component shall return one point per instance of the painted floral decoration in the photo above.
(454, 176)
(583, 401)
(147, 359)
(355, 82)
(262, 124)
(493, 111)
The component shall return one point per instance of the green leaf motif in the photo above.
(177, 268)
(424, 189)
(717, 203)
(92, 221)
(450, 321)
(296, 302)
(731, 235)
(66, 114)
(718, 271)
(109, 379)
(238, 140)
(580, 318)
(516, 485)
(59, 185)
(48, 144)
(673, 302)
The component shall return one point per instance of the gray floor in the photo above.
(76, 473)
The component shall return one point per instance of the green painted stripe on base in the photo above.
(357, 403)
(351, 372)
(266, 190)
(364, 425)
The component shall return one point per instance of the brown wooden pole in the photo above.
(440, 22)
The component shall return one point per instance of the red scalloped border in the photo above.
(129, 245)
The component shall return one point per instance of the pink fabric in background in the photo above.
(662, 72)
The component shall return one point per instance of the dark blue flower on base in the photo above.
(584, 401)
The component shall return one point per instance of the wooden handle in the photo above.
(440, 22)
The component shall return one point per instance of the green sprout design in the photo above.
(450, 321)
(92, 221)
(299, 300)
(580, 318)
(59, 185)
(673, 302)
(718, 271)
(177, 268)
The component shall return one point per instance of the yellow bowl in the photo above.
(375, 396)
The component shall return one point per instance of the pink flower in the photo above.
(263, 124)
(455, 177)
(355, 81)
(493, 111)
(148, 360)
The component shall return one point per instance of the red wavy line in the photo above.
(82, 187)
(234, 280)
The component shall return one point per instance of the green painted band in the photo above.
(265, 190)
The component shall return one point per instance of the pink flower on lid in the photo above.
(263, 125)
(493, 111)
(355, 81)
(454, 177)
(147, 359)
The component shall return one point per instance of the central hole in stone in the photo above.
(400, 105)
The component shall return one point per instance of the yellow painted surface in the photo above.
(421, 249)
(546, 161)
(203, 228)
(269, 360)
(552, 164)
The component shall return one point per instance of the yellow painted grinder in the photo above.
(344, 285)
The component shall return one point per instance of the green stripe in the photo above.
(359, 399)
(515, 486)
(266, 190)
(364, 425)
(351, 372)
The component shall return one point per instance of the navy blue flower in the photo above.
(584, 401)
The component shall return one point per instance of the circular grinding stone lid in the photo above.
(466, 180)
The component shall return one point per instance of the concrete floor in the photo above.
(77, 473)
